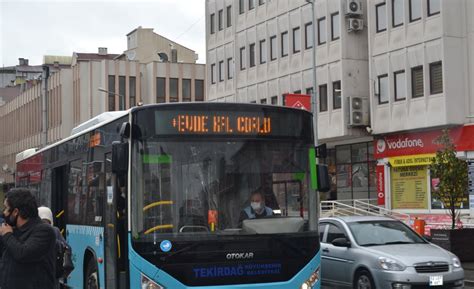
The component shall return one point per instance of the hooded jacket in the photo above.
(29, 257)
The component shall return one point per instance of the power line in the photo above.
(189, 28)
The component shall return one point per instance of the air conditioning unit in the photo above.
(356, 24)
(358, 111)
(354, 7)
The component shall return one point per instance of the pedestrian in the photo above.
(46, 216)
(29, 244)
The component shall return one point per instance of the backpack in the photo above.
(64, 264)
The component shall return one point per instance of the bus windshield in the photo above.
(204, 187)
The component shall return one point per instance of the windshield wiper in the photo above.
(179, 252)
(398, 243)
(371, 244)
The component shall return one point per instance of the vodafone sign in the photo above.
(422, 142)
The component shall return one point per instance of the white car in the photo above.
(380, 252)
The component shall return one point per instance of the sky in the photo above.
(31, 29)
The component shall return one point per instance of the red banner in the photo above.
(422, 142)
(301, 101)
(380, 172)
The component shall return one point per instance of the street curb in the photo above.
(468, 282)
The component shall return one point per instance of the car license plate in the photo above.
(436, 280)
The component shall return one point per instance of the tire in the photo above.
(363, 280)
(91, 279)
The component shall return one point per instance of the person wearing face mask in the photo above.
(29, 244)
(257, 208)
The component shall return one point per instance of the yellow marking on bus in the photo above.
(60, 214)
(155, 204)
(110, 225)
(118, 246)
(62, 231)
(170, 226)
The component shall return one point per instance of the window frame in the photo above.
(186, 98)
(241, 7)
(433, 64)
(394, 25)
(410, 11)
(379, 77)
(332, 26)
(251, 4)
(230, 74)
(252, 61)
(212, 23)
(319, 31)
(282, 40)
(229, 16)
(296, 49)
(243, 59)
(428, 8)
(395, 91)
(273, 45)
(262, 46)
(417, 68)
(160, 88)
(308, 44)
(221, 70)
(320, 95)
(220, 20)
(213, 70)
(339, 106)
(261, 2)
(377, 29)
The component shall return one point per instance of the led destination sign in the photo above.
(225, 124)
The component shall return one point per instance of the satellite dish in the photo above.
(163, 56)
(131, 55)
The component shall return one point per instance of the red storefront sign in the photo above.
(380, 172)
(301, 101)
(422, 142)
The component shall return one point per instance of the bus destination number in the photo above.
(221, 124)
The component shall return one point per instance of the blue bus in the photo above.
(153, 197)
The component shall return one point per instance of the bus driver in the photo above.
(257, 208)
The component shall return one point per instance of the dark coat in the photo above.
(29, 257)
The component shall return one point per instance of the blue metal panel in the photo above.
(139, 265)
(81, 238)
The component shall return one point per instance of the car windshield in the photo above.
(376, 233)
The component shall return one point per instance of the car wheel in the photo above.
(363, 280)
(92, 276)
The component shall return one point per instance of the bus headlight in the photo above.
(147, 283)
(312, 280)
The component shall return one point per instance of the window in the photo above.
(397, 13)
(321, 229)
(132, 86)
(263, 101)
(335, 26)
(297, 91)
(321, 30)
(243, 60)
(434, 7)
(284, 44)
(296, 40)
(230, 68)
(436, 78)
(213, 73)
(308, 35)
(417, 82)
(309, 91)
(381, 17)
(323, 97)
(251, 4)
(186, 90)
(263, 51)
(415, 10)
(174, 90)
(383, 89)
(336, 95)
(213, 23)
(121, 93)
(252, 54)
(221, 70)
(273, 47)
(274, 100)
(160, 89)
(199, 90)
(261, 2)
(241, 6)
(229, 16)
(111, 95)
(334, 233)
(400, 87)
(220, 19)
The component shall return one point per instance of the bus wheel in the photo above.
(92, 276)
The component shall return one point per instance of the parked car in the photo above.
(381, 252)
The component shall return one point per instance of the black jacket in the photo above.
(29, 257)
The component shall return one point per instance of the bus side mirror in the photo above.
(119, 157)
(324, 184)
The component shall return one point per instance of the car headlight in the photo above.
(312, 280)
(390, 264)
(147, 283)
(456, 262)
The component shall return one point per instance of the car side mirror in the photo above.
(341, 242)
